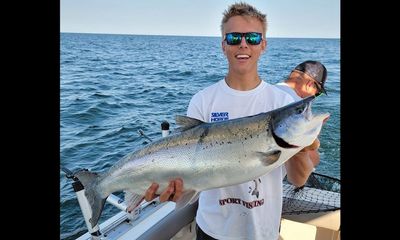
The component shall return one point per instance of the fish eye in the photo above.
(299, 110)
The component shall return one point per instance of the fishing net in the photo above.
(321, 193)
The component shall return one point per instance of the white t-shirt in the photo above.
(283, 86)
(233, 212)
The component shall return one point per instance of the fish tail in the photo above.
(90, 181)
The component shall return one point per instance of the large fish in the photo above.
(208, 155)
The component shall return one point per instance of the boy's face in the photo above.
(243, 58)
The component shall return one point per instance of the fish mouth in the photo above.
(326, 119)
(322, 117)
(282, 143)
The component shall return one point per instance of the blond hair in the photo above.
(243, 9)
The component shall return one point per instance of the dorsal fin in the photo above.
(186, 123)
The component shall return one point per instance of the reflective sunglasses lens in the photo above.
(233, 38)
(253, 38)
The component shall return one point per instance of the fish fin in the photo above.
(90, 181)
(268, 158)
(132, 200)
(186, 123)
(188, 197)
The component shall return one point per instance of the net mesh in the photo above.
(321, 193)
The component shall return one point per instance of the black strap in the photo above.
(200, 235)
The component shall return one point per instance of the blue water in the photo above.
(114, 85)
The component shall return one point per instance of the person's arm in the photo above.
(313, 152)
(300, 166)
(314, 156)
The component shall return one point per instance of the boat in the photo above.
(311, 212)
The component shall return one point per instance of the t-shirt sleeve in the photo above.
(194, 108)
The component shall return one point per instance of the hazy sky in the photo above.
(286, 18)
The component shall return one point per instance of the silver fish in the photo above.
(208, 155)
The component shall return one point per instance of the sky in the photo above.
(286, 18)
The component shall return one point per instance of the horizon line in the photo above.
(178, 35)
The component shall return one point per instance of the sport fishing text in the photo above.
(249, 205)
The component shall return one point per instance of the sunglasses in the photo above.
(235, 38)
(319, 89)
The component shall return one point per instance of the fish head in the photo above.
(294, 125)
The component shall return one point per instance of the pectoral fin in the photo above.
(188, 197)
(268, 158)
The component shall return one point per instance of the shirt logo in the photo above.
(253, 204)
(219, 116)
